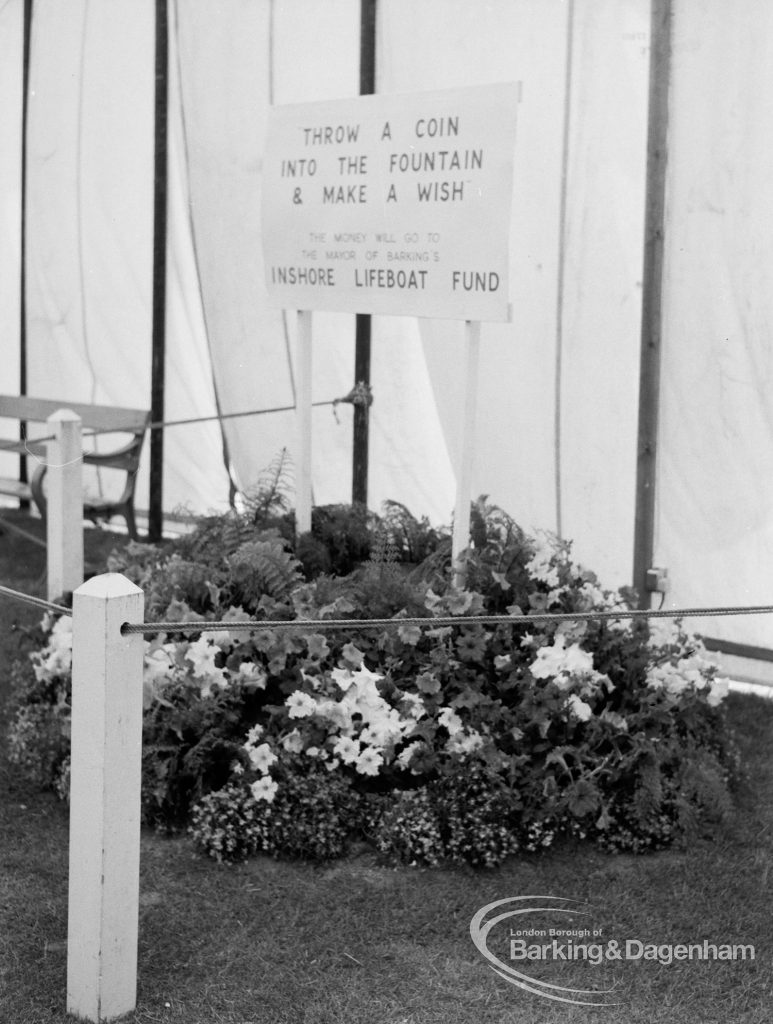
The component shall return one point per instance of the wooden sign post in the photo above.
(303, 424)
(460, 537)
(391, 205)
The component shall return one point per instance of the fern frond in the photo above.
(271, 495)
(261, 567)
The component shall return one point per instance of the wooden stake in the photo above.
(303, 420)
(363, 321)
(461, 532)
(652, 297)
(105, 783)
(64, 505)
(158, 327)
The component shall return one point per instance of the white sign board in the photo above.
(392, 204)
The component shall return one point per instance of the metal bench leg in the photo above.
(131, 522)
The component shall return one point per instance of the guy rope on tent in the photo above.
(361, 394)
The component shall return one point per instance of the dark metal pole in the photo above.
(157, 370)
(651, 328)
(363, 320)
(26, 38)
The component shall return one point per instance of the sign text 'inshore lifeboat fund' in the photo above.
(392, 204)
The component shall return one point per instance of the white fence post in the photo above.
(105, 781)
(64, 504)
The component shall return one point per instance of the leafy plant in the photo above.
(262, 567)
(313, 816)
(270, 499)
(459, 743)
(412, 539)
(345, 531)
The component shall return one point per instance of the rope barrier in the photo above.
(49, 606)
(434, 622)
(13, 446)
(439, 621)
(356, 396)
(6, 524)
(162, 424)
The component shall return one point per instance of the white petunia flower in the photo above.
(252, 675)
(405, 757)
(264, 789)
(344, 677)
(262, 757)
(293, 742)
(337, 713)
(254, 734)
(369, 762)
(579, 708)
(202, 653)
(464, 742)
(157, 663)
(300, 705)
(61, 634)
(719, 690)
(450, 720)
(347, 749)
(564, 664)
(416, 708)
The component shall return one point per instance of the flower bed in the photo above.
(435, 743)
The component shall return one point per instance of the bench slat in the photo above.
(97, 417)
(15, 489)
(103, 418)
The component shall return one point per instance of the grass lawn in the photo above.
(359, 942)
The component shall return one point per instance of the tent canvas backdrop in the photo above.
(558, 394)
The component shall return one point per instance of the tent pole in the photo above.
(26, 38)
(661, 14)
(363, 320)
(158, 343)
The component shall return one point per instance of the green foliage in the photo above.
(190, 745)
(411, 539)
(229, 825)
(270, 499)
(409, 829)
(39, 730)
(38, 743)
(262, 567)
(343, 537)
(345, 532)
(266, 506)
(497, 558)
(313, 816)
(314, 812)
(467, 816)
(459, 744)
(479, 815)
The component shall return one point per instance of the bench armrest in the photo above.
(127, 457)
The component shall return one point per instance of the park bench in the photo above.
(101, 419)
